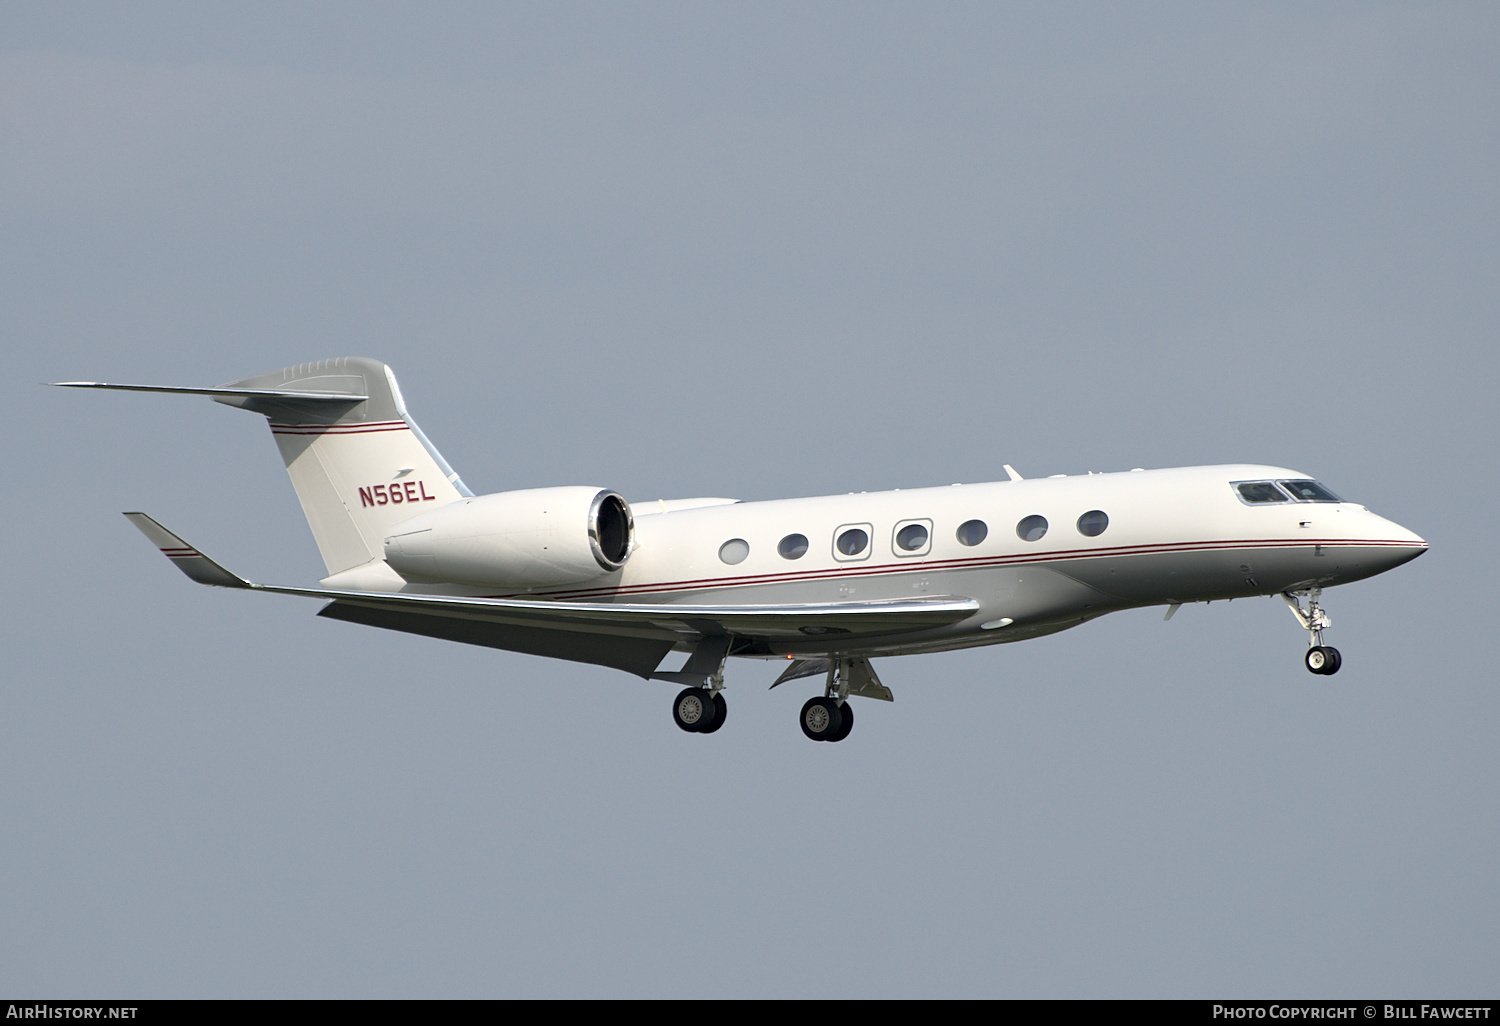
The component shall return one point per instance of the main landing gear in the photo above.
(700, 710)
(1320, 658)
(827, 718)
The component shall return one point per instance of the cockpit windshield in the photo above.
(1264, 493)
(1309, 491)
(1256, 493)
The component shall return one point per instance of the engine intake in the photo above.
(611, 529)
(534, 538)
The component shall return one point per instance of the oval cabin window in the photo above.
(911, 537)
(972, 532)
(1093, 523)
(793, 546)
(852, 542)
(1032, 528)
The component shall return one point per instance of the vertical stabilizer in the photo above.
(358, 466)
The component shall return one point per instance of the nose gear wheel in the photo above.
(1320, 658)
(1323, 659)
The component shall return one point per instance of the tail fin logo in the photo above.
(395, 494)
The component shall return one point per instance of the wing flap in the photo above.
(803, 621)
(633, 654)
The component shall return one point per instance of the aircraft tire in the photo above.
(1321, 660)
(821, 719)
(693, 710)
(721, 709)
(846, 724)
(1334, 662)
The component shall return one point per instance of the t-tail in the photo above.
(358, 461)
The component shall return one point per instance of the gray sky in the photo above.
(759, 251)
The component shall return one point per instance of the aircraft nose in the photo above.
(1410, 537)
(1397, 544)
(1394, 533)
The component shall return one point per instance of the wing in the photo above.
(629, 637)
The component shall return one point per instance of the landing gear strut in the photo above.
(1320, 658)
(700, 709)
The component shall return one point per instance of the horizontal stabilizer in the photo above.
(238, 393)
(321, 405)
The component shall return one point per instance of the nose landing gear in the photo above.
(1323, 659)
(1320, 658)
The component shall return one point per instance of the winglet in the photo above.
(1010, 472)
(189, 560)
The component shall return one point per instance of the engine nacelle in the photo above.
(534, 538)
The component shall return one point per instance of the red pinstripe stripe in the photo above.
(1020, 559)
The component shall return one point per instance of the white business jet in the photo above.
(824, 584)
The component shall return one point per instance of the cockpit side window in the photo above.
(1309, 491)
(1257, 493)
